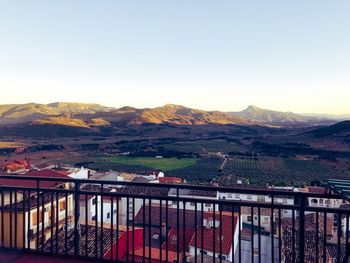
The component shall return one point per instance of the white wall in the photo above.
(323, 202)
(91, 210)
(125, 204)
(81, 173)
(265, 220)
(256, 198)
(207, 207)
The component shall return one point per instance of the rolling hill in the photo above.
(93, 118)
(25, 113)
(340, 129)
(77, 114)
(175, 114)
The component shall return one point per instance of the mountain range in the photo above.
(84, 115)
(279, 118)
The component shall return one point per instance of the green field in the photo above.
(164, 164)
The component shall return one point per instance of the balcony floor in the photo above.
(17, 257)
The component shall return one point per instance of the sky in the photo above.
(213, 55)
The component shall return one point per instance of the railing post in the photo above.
(302, 229)
(76, 219)
(347, 255)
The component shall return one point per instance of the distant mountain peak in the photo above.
(173, 106)
(253, 108)
(279, 118)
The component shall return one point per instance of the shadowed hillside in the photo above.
(338, 129)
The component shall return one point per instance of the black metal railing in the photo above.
(149, 222)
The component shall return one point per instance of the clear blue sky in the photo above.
(224, 55)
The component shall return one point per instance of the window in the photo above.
(108, 215)
(35, 218)
(50, 216)
(62, 205)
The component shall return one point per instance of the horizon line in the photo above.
(177, 104)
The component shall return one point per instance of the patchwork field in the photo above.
(204, 170)
(279, 171)
(164, 164)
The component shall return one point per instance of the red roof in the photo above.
(14, 165)
(316, 189)
(172, 239)
(170, 180)
(49, 173)
(32, 183)
(208, 233)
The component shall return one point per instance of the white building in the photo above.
(195, 194)
(265, 217)
(249, 197)
(92, 207)
(228, 248)
(81, 173)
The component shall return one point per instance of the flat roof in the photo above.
(341, 187)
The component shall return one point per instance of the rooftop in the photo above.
(225, 240)
(339, 186)
(35, 174)
(88, 240)
(193, 192)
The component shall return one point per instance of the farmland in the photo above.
(204, 170)
(279, 171)
(145, 163)
(257, 155)
(203, 146)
